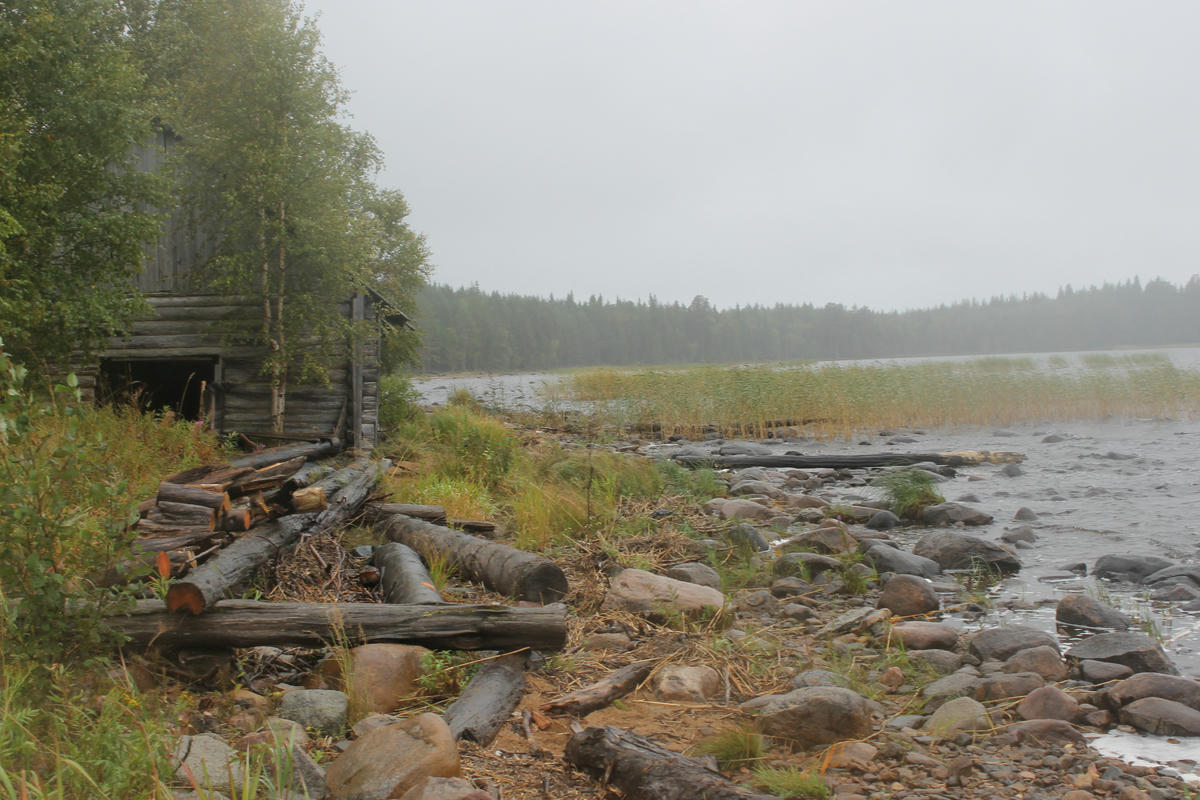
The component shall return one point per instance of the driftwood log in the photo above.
(962, 458)
(488, 700)
(499, 567)
(402, 576)
(221, 576)
(595, 696)
(250, 623)
(643, 770)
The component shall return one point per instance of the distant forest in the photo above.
(469, 329)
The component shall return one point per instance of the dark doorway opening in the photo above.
(154, 384)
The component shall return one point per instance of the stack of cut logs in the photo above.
(200, 509)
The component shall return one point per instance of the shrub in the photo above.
(477, 447)
(909, 490)
(399, 402)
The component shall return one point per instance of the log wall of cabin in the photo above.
(196, 326)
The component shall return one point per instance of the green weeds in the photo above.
(908, 491)
(791, 782)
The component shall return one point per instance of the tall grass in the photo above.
(834, 400)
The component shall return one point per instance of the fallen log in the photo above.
(643, 770)
(501, 568)
(403, 577)
(169, 513)
(309, 499)
(488, 700)
(148, 527)
(178, 541)
(221, 475)
(266, 478)
(250, 623)
(274, 455)
(962, 458)
(221, 576)
(379, 512)
(595, 696)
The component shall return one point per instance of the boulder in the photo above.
(687, 684)
(1043, 660)
(1006, 686)
(941, 661)
(788, 587)
(1023, 534)
(1154, 684)
(1135, 650)
(445, 789)
(1042, 733)
(883, 521)
(953, 550)
(950, 513)
(215, 765)
(1187, 575)
(1103, 671)
(818, 715)
(1025, 514)
(1161, 717)
(833, 540)
(804, 565)
(1081, 611)
(917, 635)
(321, 709)
(1128, 568)
(383, 675)
(804, 501)
(885, 558)
(389, 761)
(854, 620)
(960, 715)
(818, 677)
(956, 684)
(741, 508)
(753, 487)
(660, 597)
(908, 596)
(1048, 702)
(697, 573)
(1001, 643)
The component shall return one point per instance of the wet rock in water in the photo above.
(942, 661)
(697, 573)
(1177, 593)
(1011, 470)
(818, 715)
(1186, 575)
(1053, 438)
(1154, 684)
(1081, 611)
(389, 761)
(743, 535)
(322, 709)
(1021, 534)
(960, 715)
(950, 513)
(1006, 686)
(1044, 661)
(1001, 643)
(1128, 568)
(805, 565)
(1048, 702)
(952, 550)
(918, 635)
(885, 558)
(1025, 514)
(1103, 671)
(1041, 733)
(908, 595)
(1135, 650)
(657, 596)
(1162, 717)
(970, 497)
(687, 684)
(883, 521)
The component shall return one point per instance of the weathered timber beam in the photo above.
(250, 623)
(963, 458)
(379, 512)
(595, 696)
(501, 568)
(643, 770)
(276, 455)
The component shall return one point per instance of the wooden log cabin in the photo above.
(181, 357)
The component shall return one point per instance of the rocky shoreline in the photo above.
(850, 657)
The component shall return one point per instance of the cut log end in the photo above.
(185, 597)
(544, 583)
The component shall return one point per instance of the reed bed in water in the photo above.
(839, 401)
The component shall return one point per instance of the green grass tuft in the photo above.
(908, 491)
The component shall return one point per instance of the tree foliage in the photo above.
(74, 214)
(468, 329)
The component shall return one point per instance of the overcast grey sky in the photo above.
(887, 154)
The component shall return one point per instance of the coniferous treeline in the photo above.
(469, 329)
